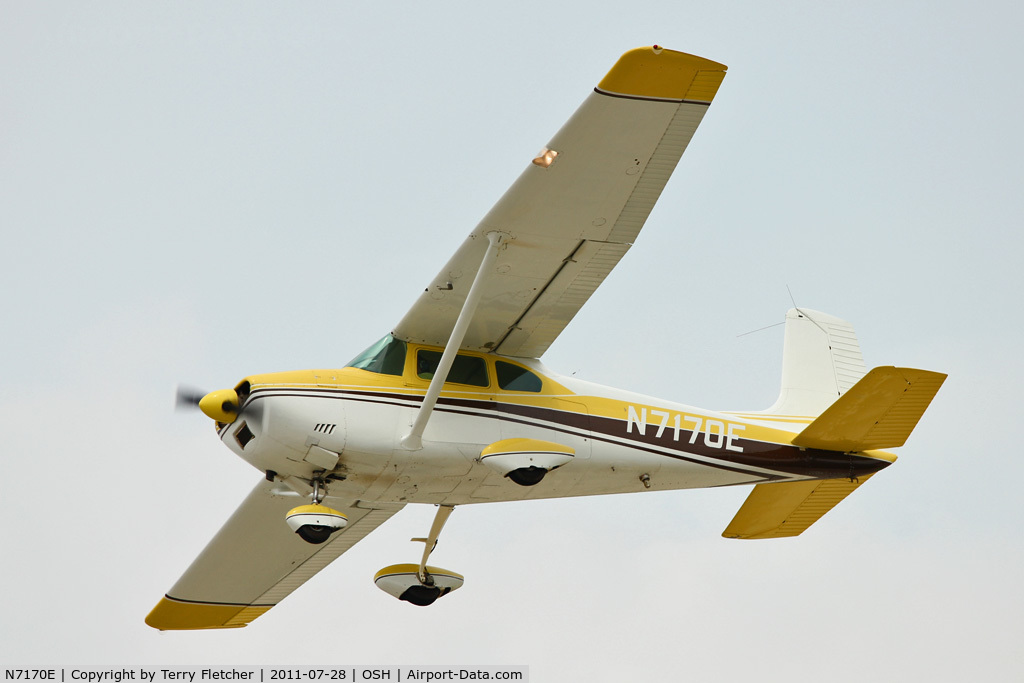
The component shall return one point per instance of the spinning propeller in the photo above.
(187, 397)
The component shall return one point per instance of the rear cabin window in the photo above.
(470, 370)
(516, 378)
(386, 357)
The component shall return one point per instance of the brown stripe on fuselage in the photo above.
(811, 462)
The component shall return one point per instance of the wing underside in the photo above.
(254, 562)
(575, 210)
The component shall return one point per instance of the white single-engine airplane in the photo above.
(453, 406)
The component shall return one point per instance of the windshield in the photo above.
(386, 357)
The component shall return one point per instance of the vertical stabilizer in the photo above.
(821, 360)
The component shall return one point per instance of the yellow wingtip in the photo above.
(176, 615)
(664, 74)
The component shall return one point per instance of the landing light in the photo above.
(545, 157)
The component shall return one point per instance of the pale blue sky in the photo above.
(194, 194)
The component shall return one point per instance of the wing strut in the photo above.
(414, 440)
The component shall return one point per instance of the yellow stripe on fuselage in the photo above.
(553, 395)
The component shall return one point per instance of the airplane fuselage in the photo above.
(348, 424)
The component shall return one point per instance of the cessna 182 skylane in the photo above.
(453, 406)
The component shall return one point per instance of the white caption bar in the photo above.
(267, 674)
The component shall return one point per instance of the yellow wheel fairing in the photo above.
(526, 446)
(315, 510)
(509, 455)
(397, 579)
(315, 523)
(176, 615)
(664, 74)
(407, 568)
(317, 515)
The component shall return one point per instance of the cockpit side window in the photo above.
(386, 357)
(470, 370)
(516, 378)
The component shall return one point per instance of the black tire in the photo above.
(314, 533)
(423, 596)
(527, 476)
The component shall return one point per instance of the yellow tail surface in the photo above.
(788, 508)
(879, 411)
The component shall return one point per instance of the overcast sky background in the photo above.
(193, 193)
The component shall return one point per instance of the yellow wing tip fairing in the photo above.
(176, 615)
(657, 73)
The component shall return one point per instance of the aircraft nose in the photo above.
(220, 405)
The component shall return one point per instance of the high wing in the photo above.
(253, 563)
(575, 210)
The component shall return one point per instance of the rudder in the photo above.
(821, 360)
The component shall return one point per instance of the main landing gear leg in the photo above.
(429, 543)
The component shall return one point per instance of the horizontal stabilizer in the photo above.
(879, 411)
(788, 508)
